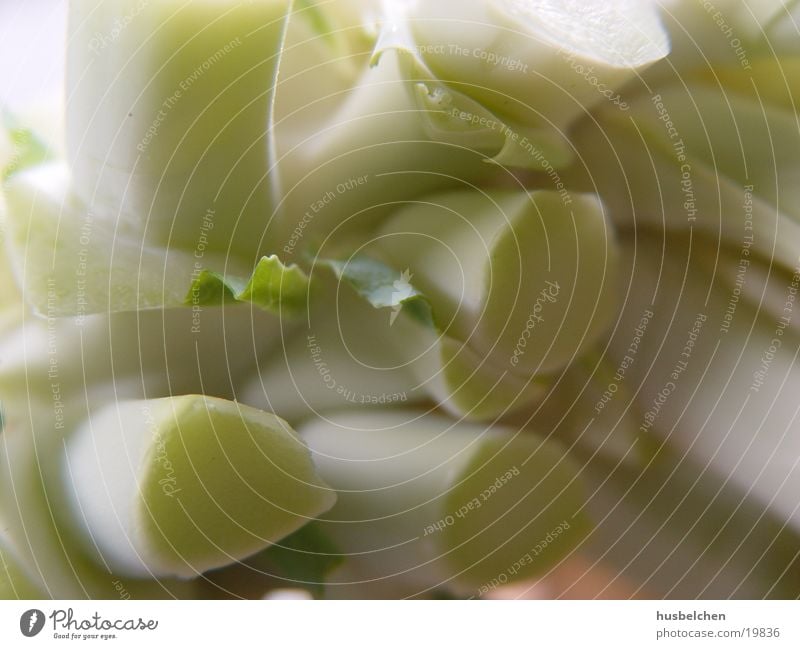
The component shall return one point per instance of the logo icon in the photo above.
(31, 622)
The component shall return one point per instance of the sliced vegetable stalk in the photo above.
(415, 359)
(538, 64)
(75, 264)
(439, 97)
(15, 582)
(693, 473)
(54, 371)
(338, 357)
(43, 554)
(732, 178)
(12, 310)
(519, 284)
(373, 146)
(426, 503)
(681, 531)
(169, 117)
(775, 81)
(594, 410)
(735, 33)
(179, 486)
(716, 376)
(328, 43)
(72, 261)
(85, 362)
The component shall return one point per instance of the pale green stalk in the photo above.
(423, 112)
(169, 117)
(176, 487)
(337, 357)
(519, 284)
(427, 503)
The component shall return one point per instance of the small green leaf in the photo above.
(273, 286)
(382, 286)
(302, 560)
(464, 381)
(28, 148)
(210, 288)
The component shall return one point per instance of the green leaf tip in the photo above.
(273, 287)
(382, 286)
(301, 560)
(29, 149)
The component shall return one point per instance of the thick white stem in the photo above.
(168, 116)
(175, 487)
(427, 503)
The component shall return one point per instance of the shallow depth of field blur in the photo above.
(668, 388)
